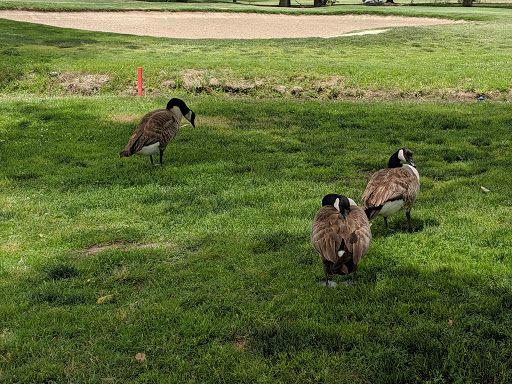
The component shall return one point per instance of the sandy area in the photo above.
(213, 25)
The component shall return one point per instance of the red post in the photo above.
(139, 83)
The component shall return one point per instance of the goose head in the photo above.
(179, 105)
(403, 154)
(340, 202)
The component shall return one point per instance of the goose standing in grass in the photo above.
(340, 234)
(157, 128)
(392, 189)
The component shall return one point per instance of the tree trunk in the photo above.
(285, 3)
(467, 3)
(318, 3)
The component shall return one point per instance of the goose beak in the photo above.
(345, 212)
(412, 163)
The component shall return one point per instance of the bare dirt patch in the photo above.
(218, 25)
(240, 342)
(129, 118)
(82, 84)
(193, 79)
(96, 249)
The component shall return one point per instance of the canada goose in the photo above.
(393, 188)
(157, 128)
(340, 234)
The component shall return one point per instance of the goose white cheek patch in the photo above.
(337, 204)
(401, 155)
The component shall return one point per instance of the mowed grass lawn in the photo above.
(205, 266)
(451, 62)
(112, 270)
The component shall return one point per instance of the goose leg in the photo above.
(409, 224)
(161, 157)
(152, 162)
(327, 271)
(353, 279)
(387, 226)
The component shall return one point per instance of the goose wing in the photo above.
(357, 233)
(326, 232)
(386, 185)
(154, 127)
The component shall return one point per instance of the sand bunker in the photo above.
(221, 25)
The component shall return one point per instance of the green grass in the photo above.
(455, 62)
(205, 265)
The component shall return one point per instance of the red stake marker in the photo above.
(139, 72)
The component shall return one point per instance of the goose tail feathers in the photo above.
(372, 212)
(125, 153)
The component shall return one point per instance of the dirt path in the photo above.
(198, 25)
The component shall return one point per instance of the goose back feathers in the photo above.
(341, 236)
(389, 185)
(157, 128)
(393, 188)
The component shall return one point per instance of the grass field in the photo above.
(457, 62)
(112, 270)
(206, 263)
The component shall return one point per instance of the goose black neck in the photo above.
(174, 102)
(394, 161)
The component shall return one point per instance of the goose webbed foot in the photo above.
(153, 163)
(328, 283)
(353, 279)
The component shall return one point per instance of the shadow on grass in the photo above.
(403, 316)
(277, 240)
(43, 35)
(294, 337)
(398, 224)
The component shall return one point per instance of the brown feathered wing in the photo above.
(326, 235)
(387, 185)
(330, 231)
(160, 125)
(357, 233)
